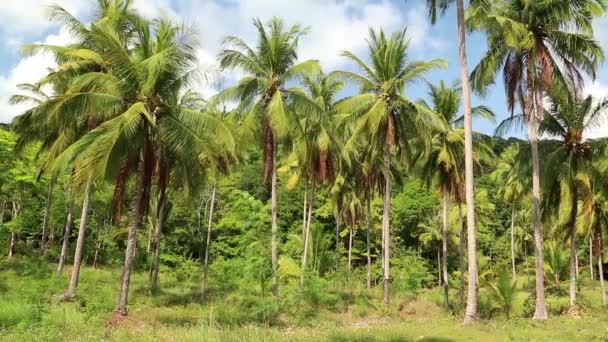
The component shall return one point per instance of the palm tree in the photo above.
(270, 106)
(443, 163)
(568, 175)
(512, 187)
(385, 120)
(441, 6)
(61, 119)
(535, 42)
(314, 155)
(147, 127)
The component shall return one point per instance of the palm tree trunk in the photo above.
(368, 243)
(13, 241)
(573, 254)
(208, 242)
(600, 267)
(444, 250)
(47, 215)
(461, 247)
(11, 246)
(99, 244)
(471, 308)
(439, 282)
(591, 256)
(540, 312)
(527, 266)
(337, 242)
(307, 232)
(140, 203)
(386, 212)
(66, 235)
(513, 241)
(275, 227)
(304, 212)
(158, 239)
(350, 250)
(71, 291)
(150, 238)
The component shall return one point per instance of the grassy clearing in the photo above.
(31, 311)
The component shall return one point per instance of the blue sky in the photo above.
(334, 26)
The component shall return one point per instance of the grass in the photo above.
(30, 310)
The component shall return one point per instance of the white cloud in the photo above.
(31, 16)
(29, 70)
(334, 26)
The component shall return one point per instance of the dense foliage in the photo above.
(281, 182)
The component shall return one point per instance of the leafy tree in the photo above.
(441, 6)
(270, 106)
(530, 42)
(568, 174)
(384, 119)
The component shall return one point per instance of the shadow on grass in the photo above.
(369, 338)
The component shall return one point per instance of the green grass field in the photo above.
(30, 310)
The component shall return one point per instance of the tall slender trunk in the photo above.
(275, 227)
(140, 204)
(461, 247)
(304, 215)
(386, 212)
(600, 267)
(513, 241)
(444, 250)
(71, 291)
(150, 239)
(99, 244)
(11, 246)
(527, 266)
(591, 256)
(337, 241)
(573, 254)
(307, 232)
(540, 312)
(350, 250)
(47, 216)
(439, 277)
(160, 222)
(13, 241)
(208, 242)
(576, 268)
(66, 235)
(471, 308)
(368, 243)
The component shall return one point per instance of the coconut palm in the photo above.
(441, 6)
(146, 125)
(315, 153)
(536, 43)
(568, 176)
(513, 183)
(69, 113)
(270, 106)
(443, 164)
(385, 120)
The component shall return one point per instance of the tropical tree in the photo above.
(513, 183)
(536, 43)
(441, 6)
(270, 105)
(315, 153)
(568, 176)
(147, 127)
(385, 120)
(443, 164)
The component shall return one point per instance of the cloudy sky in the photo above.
(335, 25)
